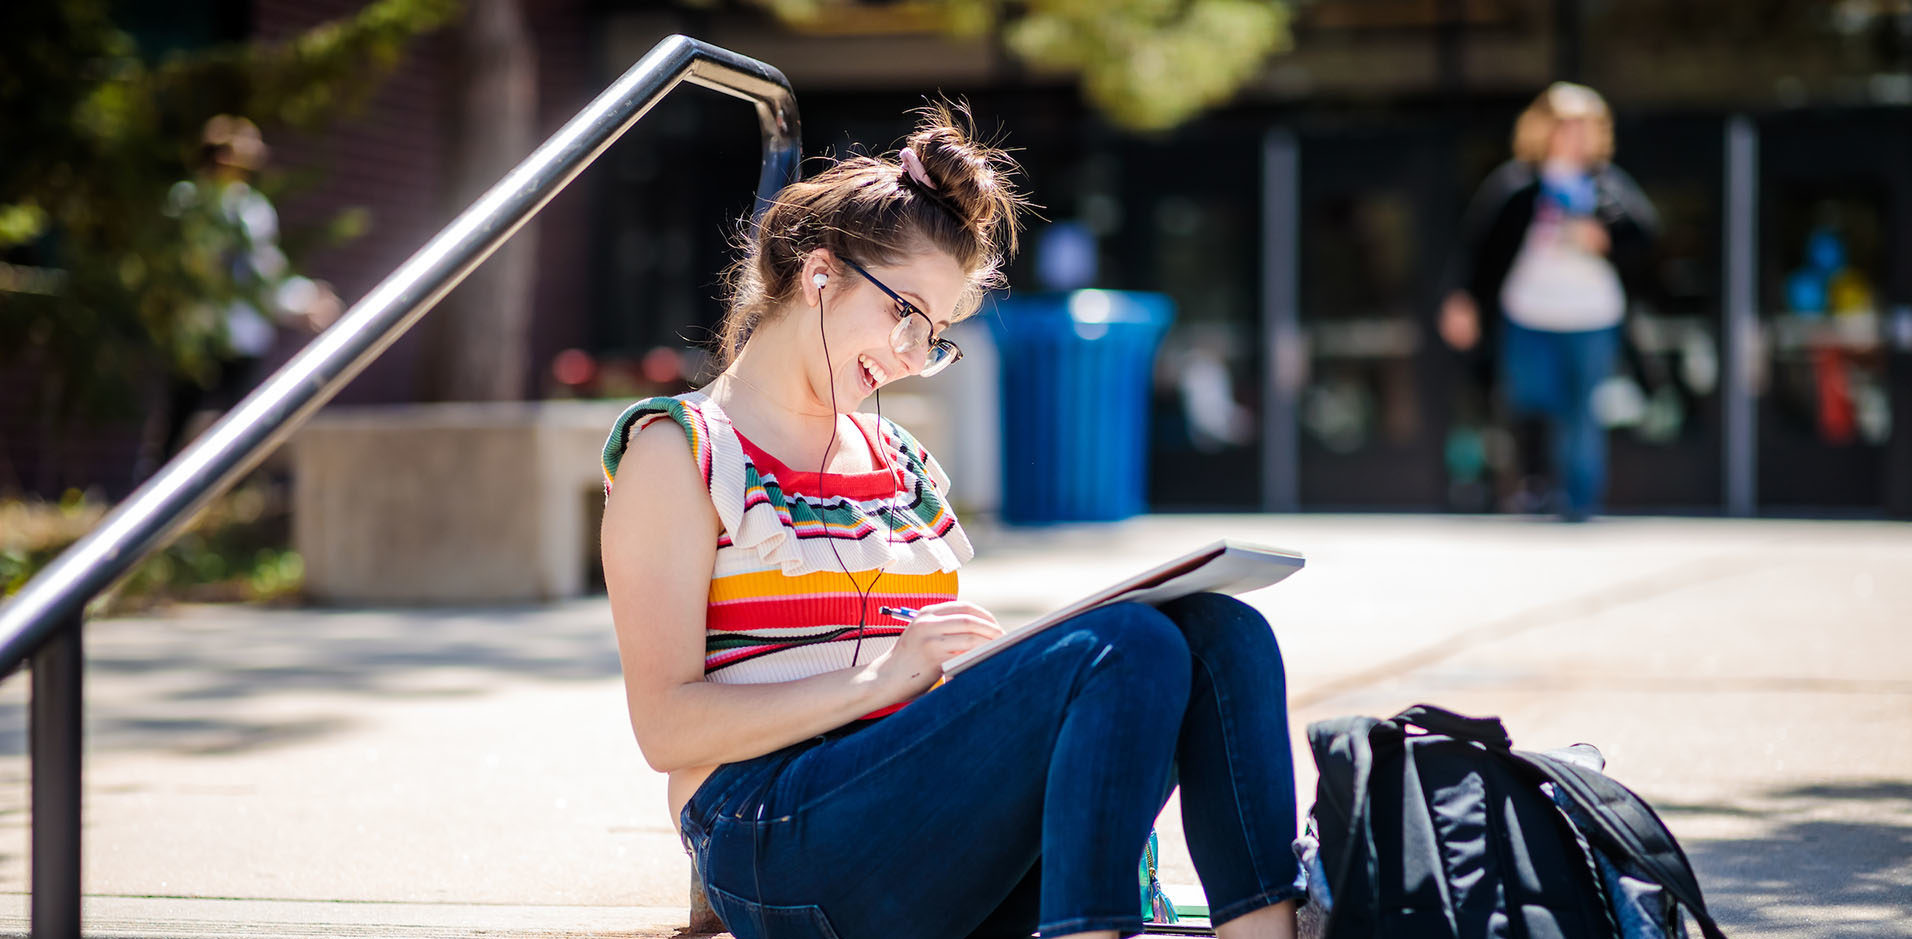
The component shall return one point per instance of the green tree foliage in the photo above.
(1145, 64)
(102, 283)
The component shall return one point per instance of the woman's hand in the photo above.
(1589, 235)
(1460, 321)
(939, 633)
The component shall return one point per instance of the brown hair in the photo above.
(868, 209)
(1562, 101)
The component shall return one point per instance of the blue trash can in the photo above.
(1076, 368)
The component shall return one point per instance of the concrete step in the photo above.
(122, 917)
(110, 917)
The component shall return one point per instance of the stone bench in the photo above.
(450, 504)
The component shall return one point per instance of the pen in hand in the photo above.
(904, 613)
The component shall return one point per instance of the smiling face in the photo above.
(859, 319)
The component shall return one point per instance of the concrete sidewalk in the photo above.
(426, 773)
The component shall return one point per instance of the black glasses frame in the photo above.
(951, 351)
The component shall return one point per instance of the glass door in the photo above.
(1181, 218)
(1374, 406)
(1666, 454)
(1833, 256)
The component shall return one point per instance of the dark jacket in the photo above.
(1496, 224)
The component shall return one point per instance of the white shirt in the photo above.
(1558, 286)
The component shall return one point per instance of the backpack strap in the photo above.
(1420, 847)
(1482, 730)
(1491, 736)
(1344, 754)
(1345, 757)
(1627, 829)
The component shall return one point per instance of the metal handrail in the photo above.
(43, 621)
(267, 416)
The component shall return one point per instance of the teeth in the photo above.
(875, 370)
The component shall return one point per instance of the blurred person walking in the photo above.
(251, 289)
(1549, 247)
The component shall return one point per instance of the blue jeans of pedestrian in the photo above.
(1016, 797)
(1552, 375)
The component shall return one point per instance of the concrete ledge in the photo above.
(108, 917)
(450, 503)
(184, 917)
(454, 504)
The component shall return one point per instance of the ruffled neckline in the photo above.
(835, 527)
(873, 484)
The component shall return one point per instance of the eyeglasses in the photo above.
(914, 333)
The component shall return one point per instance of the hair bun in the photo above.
(969, 176)
(952, 193)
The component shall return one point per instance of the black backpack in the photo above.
(1450, 834)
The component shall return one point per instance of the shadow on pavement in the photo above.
(211, 680)
(1831, 861)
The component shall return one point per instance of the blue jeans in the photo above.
(1552, 375)
(1017, 796)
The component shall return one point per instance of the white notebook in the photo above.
(1223, 567)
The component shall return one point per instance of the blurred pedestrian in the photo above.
(1550, 245)
(254, 290)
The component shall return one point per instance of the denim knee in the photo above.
(1137, 641)
(1221, 629)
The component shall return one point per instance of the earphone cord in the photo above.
(888, 519)
(863, 594)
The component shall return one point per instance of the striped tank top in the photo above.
(781, 607)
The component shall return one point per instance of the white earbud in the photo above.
(820, 280)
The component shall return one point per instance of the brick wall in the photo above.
(391, 157)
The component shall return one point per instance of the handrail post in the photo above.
(54, 727)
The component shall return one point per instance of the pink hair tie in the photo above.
(913, 165)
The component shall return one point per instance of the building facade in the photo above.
(1304, 231)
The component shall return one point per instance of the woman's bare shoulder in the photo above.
(659, 482)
